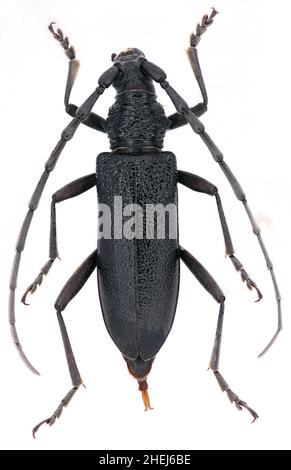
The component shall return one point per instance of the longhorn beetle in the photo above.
(138, 276)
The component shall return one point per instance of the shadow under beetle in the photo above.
(138, 279)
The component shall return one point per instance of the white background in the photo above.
(245, 58)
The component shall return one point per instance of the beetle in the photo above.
(138, 276)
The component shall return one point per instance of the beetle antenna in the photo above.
(105, 81)
(159, 76)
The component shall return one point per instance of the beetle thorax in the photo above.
(136, 122)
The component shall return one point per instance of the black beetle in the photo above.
(138, 274)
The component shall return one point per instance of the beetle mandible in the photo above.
(138, 277)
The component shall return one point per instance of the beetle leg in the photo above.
(93, 120)
(214, 366)
(196, 183)
(71, 288)
(207, 281)
(73, 189)
(177, 119)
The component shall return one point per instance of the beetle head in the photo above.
(132, 53)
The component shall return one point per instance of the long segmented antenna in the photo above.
(84, 110)
(159, 76)
(194, 41)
